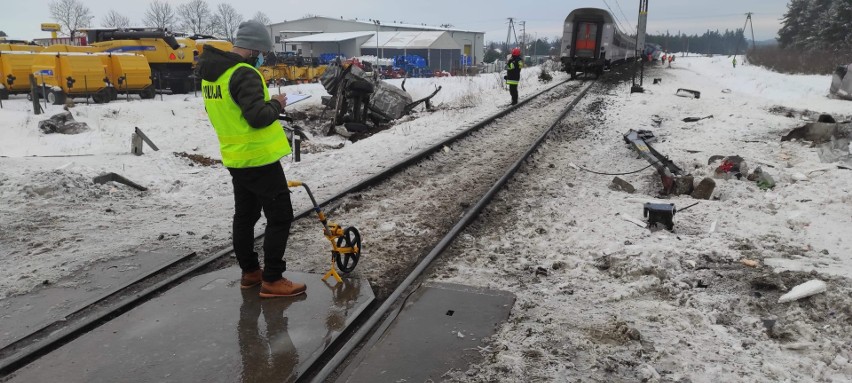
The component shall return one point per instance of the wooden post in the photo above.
(34, 95)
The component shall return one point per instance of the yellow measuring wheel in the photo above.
(345, 243)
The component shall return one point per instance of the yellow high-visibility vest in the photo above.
(242, 146)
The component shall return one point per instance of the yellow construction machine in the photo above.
(15, 69)
(170, 60)
(60, 75)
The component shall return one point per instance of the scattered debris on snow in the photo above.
(812, 287)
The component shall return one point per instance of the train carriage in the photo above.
(592, 42)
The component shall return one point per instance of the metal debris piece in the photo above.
(104, 178)
(688, 93)
(662, 213)
(136, 140)
(694, 119)
(665, 167)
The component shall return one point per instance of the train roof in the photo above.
(590, 13)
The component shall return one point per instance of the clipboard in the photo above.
(293, 98)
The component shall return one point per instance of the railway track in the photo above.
(459, 175)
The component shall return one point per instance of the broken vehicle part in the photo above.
(694, 119)
(688, 93)
(665, 167)
(358, 98)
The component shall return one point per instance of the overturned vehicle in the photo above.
(357, 98)
(841, 82)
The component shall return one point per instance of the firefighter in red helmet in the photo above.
(513, 73)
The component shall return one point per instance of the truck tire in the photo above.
(148, 93)
(56, 97)
(113, 93)
(101, 97)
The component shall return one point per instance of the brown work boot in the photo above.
(281, 288)
(252, 279)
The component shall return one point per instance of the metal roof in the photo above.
(385, 23)
(328, 37)
(412, 40)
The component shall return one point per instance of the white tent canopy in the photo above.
(412, 40)
(328, 37)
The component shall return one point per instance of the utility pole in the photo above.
(535, 47)
(509, 33)
(376, 69)
(523, 39)
(640, 47)
(751, 24)
(747, 23)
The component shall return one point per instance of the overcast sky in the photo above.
(20, 19)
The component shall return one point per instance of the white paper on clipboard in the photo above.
(293, 98)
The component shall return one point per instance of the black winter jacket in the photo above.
(513, 69)
(246, 86)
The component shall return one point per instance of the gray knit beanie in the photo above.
(253, 35)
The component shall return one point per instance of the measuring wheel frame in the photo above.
(345, 243)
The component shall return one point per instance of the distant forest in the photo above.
(824, 25)
(815, 38)
(711, 42)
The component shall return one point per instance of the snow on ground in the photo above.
(602, 299)
(55, 221)
(608, 283)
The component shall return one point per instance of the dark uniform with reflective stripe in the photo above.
(513, 76)
(252, 142)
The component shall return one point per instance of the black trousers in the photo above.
(513, 90)
(255, 189)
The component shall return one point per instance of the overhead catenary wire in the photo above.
(627, 20)
(614, 16)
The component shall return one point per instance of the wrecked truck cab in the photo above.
(358, 97)
(841, 82)
(389, 102)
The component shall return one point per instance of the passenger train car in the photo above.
(592, 42)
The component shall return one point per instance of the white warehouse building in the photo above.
(442, 48)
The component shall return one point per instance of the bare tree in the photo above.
(114, 19)
(262, 18)
(195, 17)
(71, 15)
(159, 15)
(226, 21)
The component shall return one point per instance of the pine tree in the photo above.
(836, 34)
(792, 23)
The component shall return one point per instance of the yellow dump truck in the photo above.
(61, 75)
(15, 69)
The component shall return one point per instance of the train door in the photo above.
(586, 37)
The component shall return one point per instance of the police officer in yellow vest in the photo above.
(252, 142)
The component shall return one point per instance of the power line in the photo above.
(615, 17)
(631, 30)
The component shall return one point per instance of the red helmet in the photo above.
(516, 51)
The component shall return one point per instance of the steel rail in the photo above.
(63, 336)
(367, 327)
